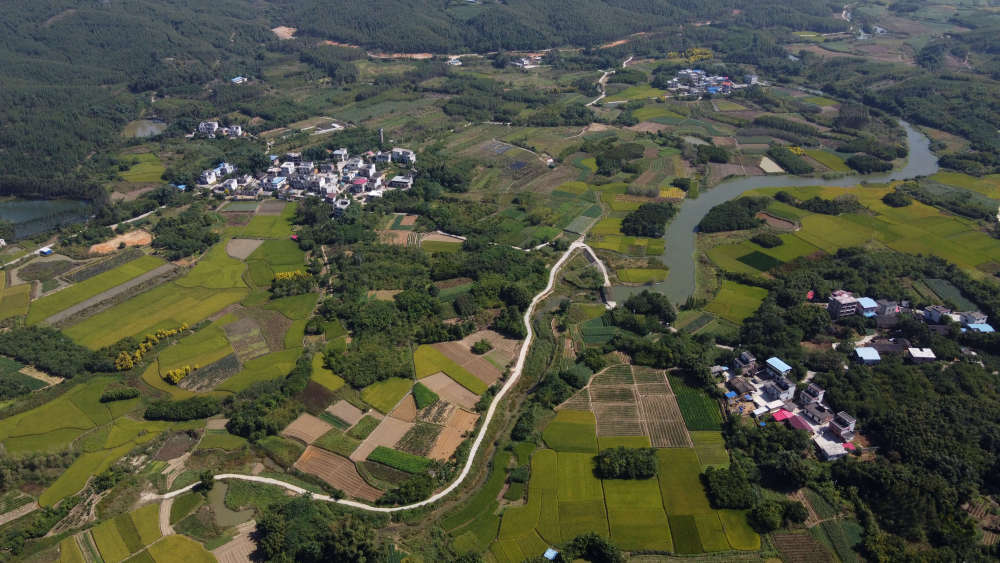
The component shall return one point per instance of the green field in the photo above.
(262, 368)
(267, 226)
(215, 270)
(47, 306)
(109, 542)
(607, 226)
(637, 92)
(631, 246)
(440, 246)
(572, 431)
(642, 275)
(726, 105)
(680, 484)
(322, 375)
(819, 101)
(200, 349)
(828, 159)
(273, 256)
(399, 460)
(222, 440)
(651, 112)
(338, 442)
(428, 360)
(711, 448)
(735, 301)
(148, 169)
(179, 548)
(69, 551)
(385, 395)
(14, 301)
(988, 185)
(700, 411)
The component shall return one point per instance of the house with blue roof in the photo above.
(867, 355)
(981, 327)
(867, 306)
(778, 368)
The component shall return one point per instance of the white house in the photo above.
(208, 127)
(208, 177)
(401, 182)
(340, 155)
(404, 156)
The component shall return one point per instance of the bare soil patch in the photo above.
(438, 413)
(446, 443)
(777, 222)
(384, 294)
(721, 171)
(648, 127)
(463, 420)
(406, 410)
(137, 237)
(438, 237)
(724, 141)
(306, 428)
(398, 238)
(453, 282)
(284, 32)
(176, 445)
(216, 424)
(273, 326)
(242, 248)
(387, 433)
(769, 166)
(449, 390)
(31, 371)
(270, 207)
(345, 411)
(236, 219)
(408, 220)
(501, 343)
(246, 338)
(476, 365)
(337, 471)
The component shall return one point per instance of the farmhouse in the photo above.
(842, 304)
(843, 426)
(980, 327)
(867, 306)
(778, 368)
(828, 450)
(745, 363)
(780, 389)
(940, 314)
(404, 156)
(401, 182)
(811, 394)
(818, 413)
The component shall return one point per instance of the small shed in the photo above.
(550, 554)
(867, 306)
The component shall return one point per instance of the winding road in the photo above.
(515, 375)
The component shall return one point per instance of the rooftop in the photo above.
(868, 354)
(981, 327)
(776, 364)
(921, 353)
(867, 303)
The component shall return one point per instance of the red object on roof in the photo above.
(810, 295)
(782, 414)
(799, 423)
(849, 446)
(360, 181)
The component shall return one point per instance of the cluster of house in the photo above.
(531, 61)
(771, 392)
(212, 129)
(844, 304)
(338, 180)
(693, 82)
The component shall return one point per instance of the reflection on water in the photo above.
(681, 234)
(33, 216)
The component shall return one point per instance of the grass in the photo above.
(69, 551)
(987, 185)
(572, 431)
(843, 535)
(262, 368)
(684, 530)
(385, 395)
(322, 375)
(738, 532)
(423, 396)
(179, 548)
(641, 275)
(399, 460)
(950, 294)
(363, 428)
(735, 301)
(221, 440)
(482, 504)
(109, 542)
(282, 450)
(338, 442)
(200, 349)
(635, 529)
(428, 360)
(167, 306)
(649, 112)
(184, 505)
(828, 159)
(711, 448)
(45, 307)
(440, 246)
(637, 92)
(514, 492)
(631, 246)
(148, 169)
(268, 226)
(14, 301)
(297, 307)
(128, 532)
(680, 482)
(700, 411)
(726, 105)
(819, 101)
(576, 477)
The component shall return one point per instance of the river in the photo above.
(681, 233)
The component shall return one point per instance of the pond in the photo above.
(144, 128)
(33, 216)
(681, 232)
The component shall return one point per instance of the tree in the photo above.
(767, 516)
(649, 220)
(652, 304)
(626, 463)
(206, 480)
(594, 548)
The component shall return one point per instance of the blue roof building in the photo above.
(238, 80)
(867, 306)
(550, 554)
(778, 367)
(981, 327)
(867, 355)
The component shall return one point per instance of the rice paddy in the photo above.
(735, 301)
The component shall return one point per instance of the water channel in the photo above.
(681, 232)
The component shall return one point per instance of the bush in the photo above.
(577, 376)
(728, 488)
(867, 164)
(626, 463)
(187, 409)
(712, 153)
(520, 475)
(767, 240)
(682, 183)
(482, 347)
(767, 516)
(119, 394)
(652, 304)
(895, 198)
(788, 160)
(734, 215)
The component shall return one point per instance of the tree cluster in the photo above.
(649, 220)
(626, 463)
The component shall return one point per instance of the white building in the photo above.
(208, 127)
(404, 156)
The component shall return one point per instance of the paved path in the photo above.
(515, 375)
(165, 528)
(105, 295)
(17, 513)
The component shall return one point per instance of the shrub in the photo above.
(788, 160)
(896, 198)
(728, 487)
(187, 409)
(734, 215)
(626, 463)
(482, 347)
(767, 240)
(649, 220)
(866, 164)
(119, 394)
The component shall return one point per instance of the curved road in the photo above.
(515, 374)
